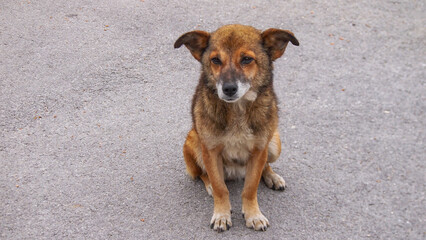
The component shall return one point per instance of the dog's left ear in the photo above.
(275, 41)
(195, 41)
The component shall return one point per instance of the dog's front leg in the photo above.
(221, 220)
(254, 218)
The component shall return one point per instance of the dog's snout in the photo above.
(229, 89)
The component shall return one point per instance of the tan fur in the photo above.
(235, 139)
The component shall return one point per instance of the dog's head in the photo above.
(237, 59)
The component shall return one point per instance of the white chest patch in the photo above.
(236, 153)
(238, 147)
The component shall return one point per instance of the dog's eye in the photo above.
(246, 60)
(216, 61)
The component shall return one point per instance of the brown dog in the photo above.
(234, 113)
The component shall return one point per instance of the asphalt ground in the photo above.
(95, 107)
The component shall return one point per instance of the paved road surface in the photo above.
(94, 108)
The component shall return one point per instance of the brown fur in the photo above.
(235, 139)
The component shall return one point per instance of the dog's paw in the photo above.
(257, 221)
(209, 190)
(221, 222)
(274, 181)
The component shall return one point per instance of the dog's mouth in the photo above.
(230, 99)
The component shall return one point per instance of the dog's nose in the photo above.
(229, 89)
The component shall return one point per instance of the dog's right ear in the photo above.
(275, 41)
(195, 41)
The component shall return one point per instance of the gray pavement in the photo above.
(95, 106)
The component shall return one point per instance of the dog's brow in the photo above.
(214, 54)
(248, 53)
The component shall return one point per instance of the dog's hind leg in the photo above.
(274, 148)
(272, 179)
(191, 154)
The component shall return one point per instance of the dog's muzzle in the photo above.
(232, 91)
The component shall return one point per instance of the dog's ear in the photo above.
(275, 41)
(195, 41)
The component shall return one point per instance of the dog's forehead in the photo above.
(235, 36)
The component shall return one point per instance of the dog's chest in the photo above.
(238, 144)
(238, 141)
